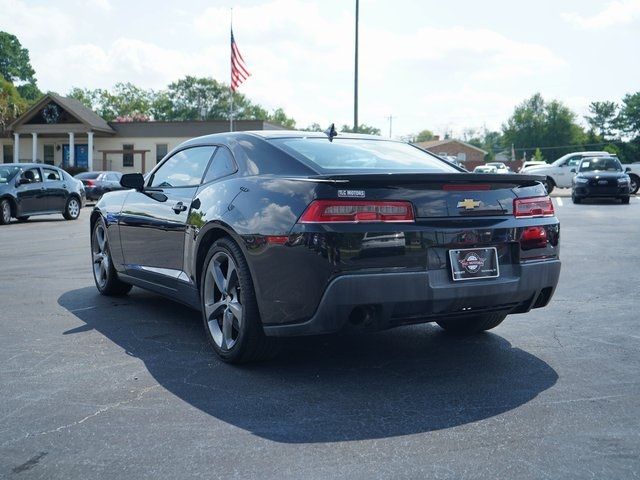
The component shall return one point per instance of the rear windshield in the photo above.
(7, 173)
(361, 155)
(88, 175)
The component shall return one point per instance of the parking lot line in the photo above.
(559, 201)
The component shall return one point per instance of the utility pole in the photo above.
(355, 79)
(390, 118)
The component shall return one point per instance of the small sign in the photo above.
(351, 193)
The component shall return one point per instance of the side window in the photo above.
(183, 169)
(33, 175)
(127, 155)
(161, 151)
(51, 175)
(573, 161)
(113, 177)
(222, 165)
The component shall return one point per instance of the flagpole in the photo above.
(231, 77)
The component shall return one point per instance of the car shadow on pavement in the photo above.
(321, 389)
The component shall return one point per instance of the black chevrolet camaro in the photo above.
(28, 189)
(279, 233)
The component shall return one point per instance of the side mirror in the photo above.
(627, 170)
(132, 180)
(573, 170)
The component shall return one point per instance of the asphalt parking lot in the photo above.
(95, 387)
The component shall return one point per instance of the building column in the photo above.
(16, 147)
(90, 152)
(34, 147)
(72, 150)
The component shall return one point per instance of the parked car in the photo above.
(558, 174)
(500, 167)
(531, 163)
(598, 177)
(485, 169)
(264, 233)
(28, 189)
(98, 183)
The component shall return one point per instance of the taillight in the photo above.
(533, 207)
(533, 237)
(90, 183)
(356, 211)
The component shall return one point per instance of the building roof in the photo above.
(71, 105)
(189, 128)
(436, 143)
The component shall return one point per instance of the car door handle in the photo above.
(179, 207)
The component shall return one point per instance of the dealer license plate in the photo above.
(474, 263)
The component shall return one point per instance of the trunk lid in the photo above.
(441, 194)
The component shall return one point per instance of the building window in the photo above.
(127, 155)
(462, 157)
(161, 151)
(7, 153)
(48, 154)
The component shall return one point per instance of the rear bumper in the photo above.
(384, 300)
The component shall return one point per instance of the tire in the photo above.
(575, 199)
(72, 208)
(472, 325)
(104, 273)
(24, 218)
(624, 200)
(549, 185)
(635, 184)
(5, 212)
(229, 307)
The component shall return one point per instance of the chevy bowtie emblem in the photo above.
(468, 204)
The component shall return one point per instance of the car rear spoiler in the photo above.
(506, 179)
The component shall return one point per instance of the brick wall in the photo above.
(454, 148)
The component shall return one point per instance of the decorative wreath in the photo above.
(51, 113)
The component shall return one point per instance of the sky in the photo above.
(442, 66)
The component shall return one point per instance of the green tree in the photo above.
(629, 118)
(190, 98)
(603, 118)
(538, 155)
(361, 129)
(536, 123)
(278, 116)
(12, 105)
(15, 65)
(314, 127)
(424, 136)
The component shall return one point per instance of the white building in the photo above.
(62, 131)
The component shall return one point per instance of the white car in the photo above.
(559, 172)
(485, 169)
(500, 167)
(532, 163)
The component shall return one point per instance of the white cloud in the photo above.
(34, 23)
(125, 60)
(621, 12)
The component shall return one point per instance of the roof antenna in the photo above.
(331, 132)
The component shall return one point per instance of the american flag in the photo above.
(239, 72)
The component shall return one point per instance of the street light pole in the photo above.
(390, 118)
(355, 80)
